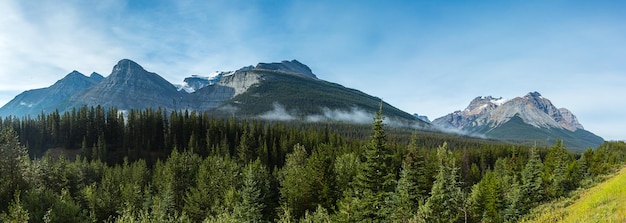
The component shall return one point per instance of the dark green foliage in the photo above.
(375, 178)
(532, 187)
(14, 163)
(16, 212)
(559, 170)
(488, 199)
(186, 167)
(446, 198)
(255, 205)
(216, 175)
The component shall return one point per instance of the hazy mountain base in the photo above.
(515, 130)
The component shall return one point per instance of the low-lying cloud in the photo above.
(278, 113)
(353, 115)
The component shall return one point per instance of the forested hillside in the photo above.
(158, 166)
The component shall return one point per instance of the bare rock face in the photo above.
(569, 121)
(491, 112)
(229, 86)
(292, 67)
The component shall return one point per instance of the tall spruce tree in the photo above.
(375, 178)
(532, 182)
(446, 200)
(13, 164)
(556, 166)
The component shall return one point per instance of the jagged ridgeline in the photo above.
(531, 119)
(287, 90)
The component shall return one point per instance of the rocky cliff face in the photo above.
(533, 109)
(569, 121)
(229, 86)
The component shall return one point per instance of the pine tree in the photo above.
(254, 194)
(16, 212)
(216, 175)
(14, 162)
(556, 166)
(375, 179)
(295, 191)
(401, 203)
(531, 190)
(446, 200)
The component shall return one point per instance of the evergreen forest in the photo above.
(93, 164)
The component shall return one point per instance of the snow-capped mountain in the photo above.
(195, 82)
(491, 116)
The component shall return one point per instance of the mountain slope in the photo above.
(129, 86)
(285, 96)
(33, 102)
(529, 119)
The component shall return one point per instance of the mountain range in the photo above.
(289, 90)
(286, 90)
(531, 119)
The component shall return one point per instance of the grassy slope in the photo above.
(606, 202)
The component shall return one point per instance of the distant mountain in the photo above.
(530, 119)
(129, 86)
(286, 90)
(46, 100)
(422, 117)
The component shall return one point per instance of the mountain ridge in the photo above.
(249, 92)
(520, 118)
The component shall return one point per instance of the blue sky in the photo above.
(426, 57)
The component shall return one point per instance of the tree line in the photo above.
(146, 166)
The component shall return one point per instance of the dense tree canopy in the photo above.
(104, 165)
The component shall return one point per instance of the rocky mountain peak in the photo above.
(96, 76)
(75, 78)
(73, 74)
(126, 66)
(533, 109)
(292, 67)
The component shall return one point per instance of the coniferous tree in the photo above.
(531, 190)
(295, 191)
(14, 162)
(556, 167)
(401, 201)
(254, 194)
(446, 200)
(320, 167)
(375, 178)
(216, 175)
(16, 212)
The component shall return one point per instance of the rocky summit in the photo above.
(531, 117)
